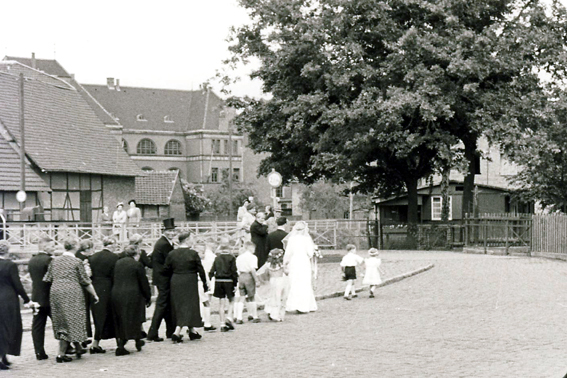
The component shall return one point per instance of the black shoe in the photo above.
(348, 298)
(224, 329)
(3, 366)
(41, 356)
(194, 336)
(96, 350)
(238, 321)
(70, 350)
(229, 325)
(211, 328)
(176, 339)
(85, 343)
(355, 295)
(61, 359)
(79, 352)
(121, 352)
(157, 339)
(250, 318)
(5, 361)
(371, 295)
(139, 345)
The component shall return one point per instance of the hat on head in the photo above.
(169, 224)
(120, 204)
(373, 252)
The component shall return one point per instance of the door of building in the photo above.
(86, 206)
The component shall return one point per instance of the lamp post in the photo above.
(230, 171)
(21, 196)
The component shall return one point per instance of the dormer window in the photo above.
(141, 118)
(167, 119)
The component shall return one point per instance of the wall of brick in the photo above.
(117, 189)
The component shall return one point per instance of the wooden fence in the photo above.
(549, 233)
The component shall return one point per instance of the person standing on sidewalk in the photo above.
(247, 264)
(37, 267)
(372, 273)
(162, 310)
(226, 278)
(348, 266)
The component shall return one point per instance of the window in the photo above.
(147, 169)
(146, 147)
(125, 145)
(436, 206)
(168, 119)
(236, 174)
(173, 147)
(226, 151)
(279, 192)
(214, 175)
(215, 146)
(235, 147)
(141, 118)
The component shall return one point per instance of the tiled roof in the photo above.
(155, 188)
(50, 67)
(62, 131)
(185, 108)
(53, 68)
(10, 171)
(15, 68)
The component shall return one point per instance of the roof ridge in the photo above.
(12, 62)
(148, 88)
(96, 101)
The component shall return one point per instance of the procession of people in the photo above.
(112, 286)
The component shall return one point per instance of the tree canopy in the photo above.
(371, 91)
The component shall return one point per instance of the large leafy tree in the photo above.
(372, 91)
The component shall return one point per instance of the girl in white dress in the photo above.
(372, 274)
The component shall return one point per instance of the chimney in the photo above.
(118, 84)
(110, 83)
(33, 65)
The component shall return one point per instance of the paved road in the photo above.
(470, 316)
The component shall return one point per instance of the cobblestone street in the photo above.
(469, 316)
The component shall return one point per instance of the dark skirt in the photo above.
(10, 322)
(185, 304)
(129, 312)
(102, 311)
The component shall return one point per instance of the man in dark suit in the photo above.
(37, 268)
(162, 310)
(275, 238)
(259, 234)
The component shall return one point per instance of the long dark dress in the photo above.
(182, 266)
(130, 293)
(10, 316)
(68, 314)
(102, 265)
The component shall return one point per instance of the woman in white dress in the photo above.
(298, 263)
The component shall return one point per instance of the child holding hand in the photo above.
(348, 265)
(372, 275)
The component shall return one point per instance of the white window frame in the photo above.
(437, 207)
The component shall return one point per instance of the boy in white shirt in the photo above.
(246, 264)
(348, 266)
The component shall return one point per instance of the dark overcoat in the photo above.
(161, 250)
(130, 293)
(10, 316)
(259, 234)
(102, 265)
(275, 240)
(37, 267)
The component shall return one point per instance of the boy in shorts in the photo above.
(246, 264)
(226, 277)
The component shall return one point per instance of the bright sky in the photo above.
(161, 44)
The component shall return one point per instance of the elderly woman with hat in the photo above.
(10, 316)
(119, 219)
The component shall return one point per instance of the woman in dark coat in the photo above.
(102, 266)
(182, 266)
(130, 294)
(10, 316)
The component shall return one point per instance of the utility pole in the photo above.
(22, 147)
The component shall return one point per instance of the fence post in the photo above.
(466, 230)
(485, 236)
(506, 234)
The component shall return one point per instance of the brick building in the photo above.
(75, 167)
(160, 195)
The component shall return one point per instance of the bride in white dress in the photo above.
(298, 262)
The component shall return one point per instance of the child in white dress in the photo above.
(372, 274)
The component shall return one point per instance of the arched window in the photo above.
(147, 169)
(146, 147)
(173, 147)
(125, 145)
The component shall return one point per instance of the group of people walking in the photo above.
(112, 285)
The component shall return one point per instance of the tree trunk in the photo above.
(411, 186)
(468, 187)
(445, 174)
